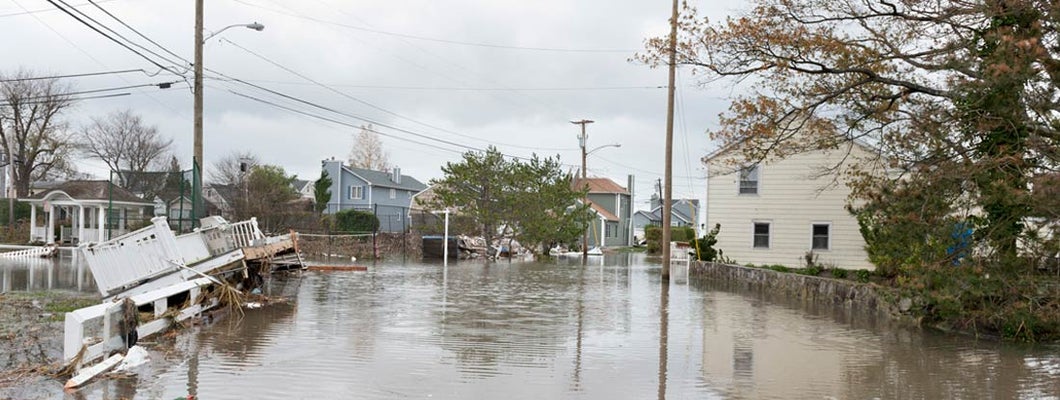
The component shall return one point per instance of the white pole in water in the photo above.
(445, 241)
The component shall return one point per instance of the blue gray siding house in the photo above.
(612, 205)
(683, 212)
(386, 194)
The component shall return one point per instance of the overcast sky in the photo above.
(442, 77)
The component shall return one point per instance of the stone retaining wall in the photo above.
(863, 296)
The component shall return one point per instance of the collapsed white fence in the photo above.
(151, 266)
(41, 252)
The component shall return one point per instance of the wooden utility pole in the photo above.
(668, 174)
(585, 184)
(196, 160)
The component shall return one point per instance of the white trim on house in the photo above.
(828, 237)
(754, 234)
(798, 197)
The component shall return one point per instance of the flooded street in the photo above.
(559, 330)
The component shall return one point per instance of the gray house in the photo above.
(386, 194)
(613, 207)
(683, 212)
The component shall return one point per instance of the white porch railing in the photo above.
(96, 330)
(246, 233)
(130, 259)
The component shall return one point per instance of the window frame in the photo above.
(750, 171)
(755, 235)
(828, 236)
(393, 193)
(358, 189)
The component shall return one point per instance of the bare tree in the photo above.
(233, 168)
(32, 133)
(367, 151)
(127, 145)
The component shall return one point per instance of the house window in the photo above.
(749, 180)
(761, 235)
(355, 192)
(393, 193)
(611, 230)
(820, 236)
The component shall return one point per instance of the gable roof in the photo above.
(599, 185)
(382, 179)
(300, 184)
(602, 211)
(92, 190)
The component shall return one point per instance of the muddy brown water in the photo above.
(558, 330)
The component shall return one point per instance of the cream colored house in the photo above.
(778, 211)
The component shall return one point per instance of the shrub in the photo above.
(356, 221)
(21, 211)
(839, 273)
(704, 247)
(863, 275)
(653, 235)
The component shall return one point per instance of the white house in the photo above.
(778, 211)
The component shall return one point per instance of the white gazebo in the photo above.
(84, 211)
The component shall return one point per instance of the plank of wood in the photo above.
(337, 268)
(91, 372)
(258, 252)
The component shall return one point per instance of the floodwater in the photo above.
(33, 274)
(560, 330)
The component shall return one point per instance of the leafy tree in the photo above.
(367, 151)
(322, 191)
(544, 207)
(478, 186)
(356, 221)
(32, 132)
(268, 195)
(127, 146)
(533, 202)
(959, 91)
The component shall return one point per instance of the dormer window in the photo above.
(749, 179)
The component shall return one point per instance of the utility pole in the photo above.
(668, 174)
(196, 160)
(581, 142)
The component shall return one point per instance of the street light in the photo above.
(197, 160)
(582, 139)
(600, 147)
(255, 26)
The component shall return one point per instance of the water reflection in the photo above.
(564, 330)
(42, 274)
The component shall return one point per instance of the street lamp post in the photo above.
(582, 140)
(585, 199)
(197, 160)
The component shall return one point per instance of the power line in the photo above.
(97, 60)
(466, 89)
(38, 78)
(333, 90)
(335, 121)
(138, 32)
(43, 10)
(338, 112)
(102, 96)
(437, 40)
(107, 36)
